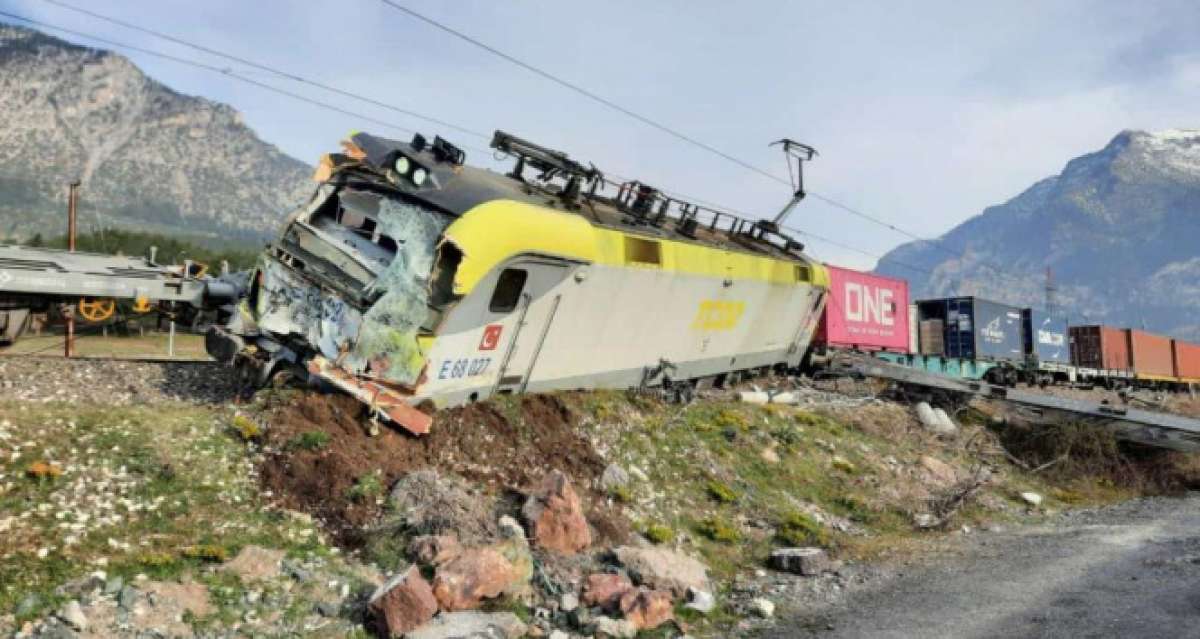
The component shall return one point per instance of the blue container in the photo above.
(1046, 337)
(978, 329)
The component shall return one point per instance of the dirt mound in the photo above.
(326, 463)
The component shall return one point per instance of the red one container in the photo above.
(867, 312)
(1151, 354)
(1100, 347)
(1187, 360)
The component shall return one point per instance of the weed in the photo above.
(310, 440)
(719, 530)
(728, 418)
(246, 428)
(367, 487)
(659, 533)
(206, 552)
(788, 435)
(844, 465)
(721, 492)
(799, 529)
(621, 493)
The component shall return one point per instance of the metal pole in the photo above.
(72, 216)
(171, 340)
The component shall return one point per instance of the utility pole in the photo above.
(72, 223)
(1050, 291)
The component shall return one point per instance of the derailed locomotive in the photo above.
(413, 279)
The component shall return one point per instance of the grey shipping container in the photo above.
(978, 329)
(1046, 337)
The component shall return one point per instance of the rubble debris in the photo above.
(434, 550)
(471, 623)
(555, 516)
(474, 575)
(809, 561)
(663, 568)
(605, 590)
(647, 608)
(402, 604)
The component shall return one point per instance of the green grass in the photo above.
(309, 440)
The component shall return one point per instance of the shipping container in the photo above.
(1151, 355)
(1187, 360)
(865, 311)
(932, 337)
(1045, 337)
(976, 328)
(1100, 347)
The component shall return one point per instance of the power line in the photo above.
(263, 67)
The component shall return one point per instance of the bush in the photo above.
(721, 492)
(799, 529)
(310, 440)
(621, 493)
(206, 552)
(719, 530)
(246, 428)
(659, 533)
(367, 487)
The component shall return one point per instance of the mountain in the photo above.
(1119, 229)
(148, 157)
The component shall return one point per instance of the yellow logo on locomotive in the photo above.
(718, 315)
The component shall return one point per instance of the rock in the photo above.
(615, 628)
(255, 563)
(702, 601)
(128, 598)
(299, 574)
(559, 634)
(434, 550)
(1031, 498)
(448, 625)
(930, 420)
(113, 586)
(72, 613)
(939, 472)
(843, 464)
(638, 473)
(925, 520)
(510, 528)
(29, 603)
(664, 569)
(580, 617)
(647, 608)
(605, 590)
(327, 608)
(769, 455)
(402, 604)
(568, 602)
(555, 516)
(763, 607)
(945, 424)
(515, 548)
(810, 562)
(475, 574)
(613, 477)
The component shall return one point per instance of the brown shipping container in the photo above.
(1187, 360)
(1102, 347)
(1151, 354)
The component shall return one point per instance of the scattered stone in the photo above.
(128, 598)
(810, 562)
(1031, 498)
(493, 625)
(28, 605)
(647, 608)
(925, 521)
(555, 516)
(769, 455)
(515, 548)
(638, 473)
(475, 574)
(615, 628)
(661, 568)
(702, 601)
(568, 602)
(605, 590)
(947, 425)
(843, 464)
(932, 422)
(613, 477)
(434, 550)
(255, 563)
(510, 528)
(327, 608)
(763, 607)
(558, 634)
(113, 586)
(299, 573)
(72, 613)
(939, 472)
(580, 617)
(402, 604)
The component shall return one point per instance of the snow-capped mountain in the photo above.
(1119, 229)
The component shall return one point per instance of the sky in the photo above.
(923, 113)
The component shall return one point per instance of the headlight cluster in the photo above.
(411, 170)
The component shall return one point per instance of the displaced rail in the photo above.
(1160, 430)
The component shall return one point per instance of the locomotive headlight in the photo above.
(403, 164)
(418, 176)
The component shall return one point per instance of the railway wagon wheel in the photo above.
(97, 309)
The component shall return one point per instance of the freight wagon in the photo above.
(865, 312)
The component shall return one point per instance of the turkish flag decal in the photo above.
(491, 337)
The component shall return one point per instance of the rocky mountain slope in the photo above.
(1120, 229)
(148, 157)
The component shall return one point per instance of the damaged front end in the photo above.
(345, 295)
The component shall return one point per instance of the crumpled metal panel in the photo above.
(382, 342)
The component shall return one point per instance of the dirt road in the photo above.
(1127, 571)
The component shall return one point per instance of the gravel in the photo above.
(114, 383)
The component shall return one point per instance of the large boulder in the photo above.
(555, 516)
(403, 603)
(455, 625)
(605, 590)
(809, 562)
(663, 569)
(647, 608)
(474, 575)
